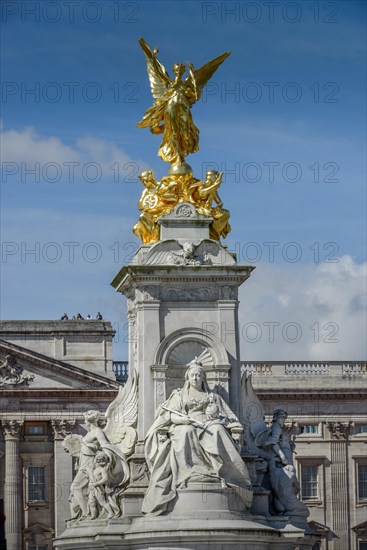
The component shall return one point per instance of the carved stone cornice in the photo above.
(339, 430)
(70, 395)
(11, 428)
(62, 428)
(291, 395)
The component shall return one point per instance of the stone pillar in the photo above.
(148, 329)
(339, 432)
(63, 469)
(160, 387)
(13, 485)
(230, 338)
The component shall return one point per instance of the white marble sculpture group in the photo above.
(103, 471)
(194, 438)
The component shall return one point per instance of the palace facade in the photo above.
(53, 371)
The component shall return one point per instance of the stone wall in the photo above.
(85, 344)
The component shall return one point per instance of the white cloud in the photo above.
(26, 147)
(321, 307)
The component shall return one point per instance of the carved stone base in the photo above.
(180, 532)
(260, 503)
(203, 498)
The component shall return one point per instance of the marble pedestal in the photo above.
(177, 531)
(182, 305)
(182, 297)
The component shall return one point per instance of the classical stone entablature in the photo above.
(84, 344)
(35, 364)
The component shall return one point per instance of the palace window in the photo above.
(35, 431)
(309, 481)
(309, 429)
(362, 482)
(361, 429)
(36, 484)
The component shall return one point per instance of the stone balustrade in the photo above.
(353, 369)
(331, 368)
(121, 370)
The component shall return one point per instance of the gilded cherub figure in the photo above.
(202, 194)
(157, 199)
(170, 114)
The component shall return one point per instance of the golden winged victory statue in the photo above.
(170, 115)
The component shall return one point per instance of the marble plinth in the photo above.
(179, 532)
(203, 498)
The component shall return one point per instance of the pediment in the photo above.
(21, 368)
(38, 528)
(361, 530)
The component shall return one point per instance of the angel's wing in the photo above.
(158, 76)
(123, 411)
(198, 78)
(253, 411)
(122, 414)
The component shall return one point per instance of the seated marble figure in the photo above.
(194, 438)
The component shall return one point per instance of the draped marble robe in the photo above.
(190, 452)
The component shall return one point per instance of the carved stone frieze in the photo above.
(151, 292)
(187, 256)
(160, 387)
(227, 292)
(12, 375)
(339, 430)
(185, 211)
(198, 294)
(131, 307)
(139, 471)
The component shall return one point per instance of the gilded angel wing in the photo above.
(198, 78)
(122, 414)
(158, 76)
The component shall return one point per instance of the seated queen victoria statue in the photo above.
(191, 441)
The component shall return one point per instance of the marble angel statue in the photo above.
(103, 471)
(194, 438)
(170, 114)
(273, 445)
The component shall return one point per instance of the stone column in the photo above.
(339, 432)
(230, 338)
(160, 384)
(148, 330)
(63, 469)
(13, 485)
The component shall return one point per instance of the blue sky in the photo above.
(284, 117)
